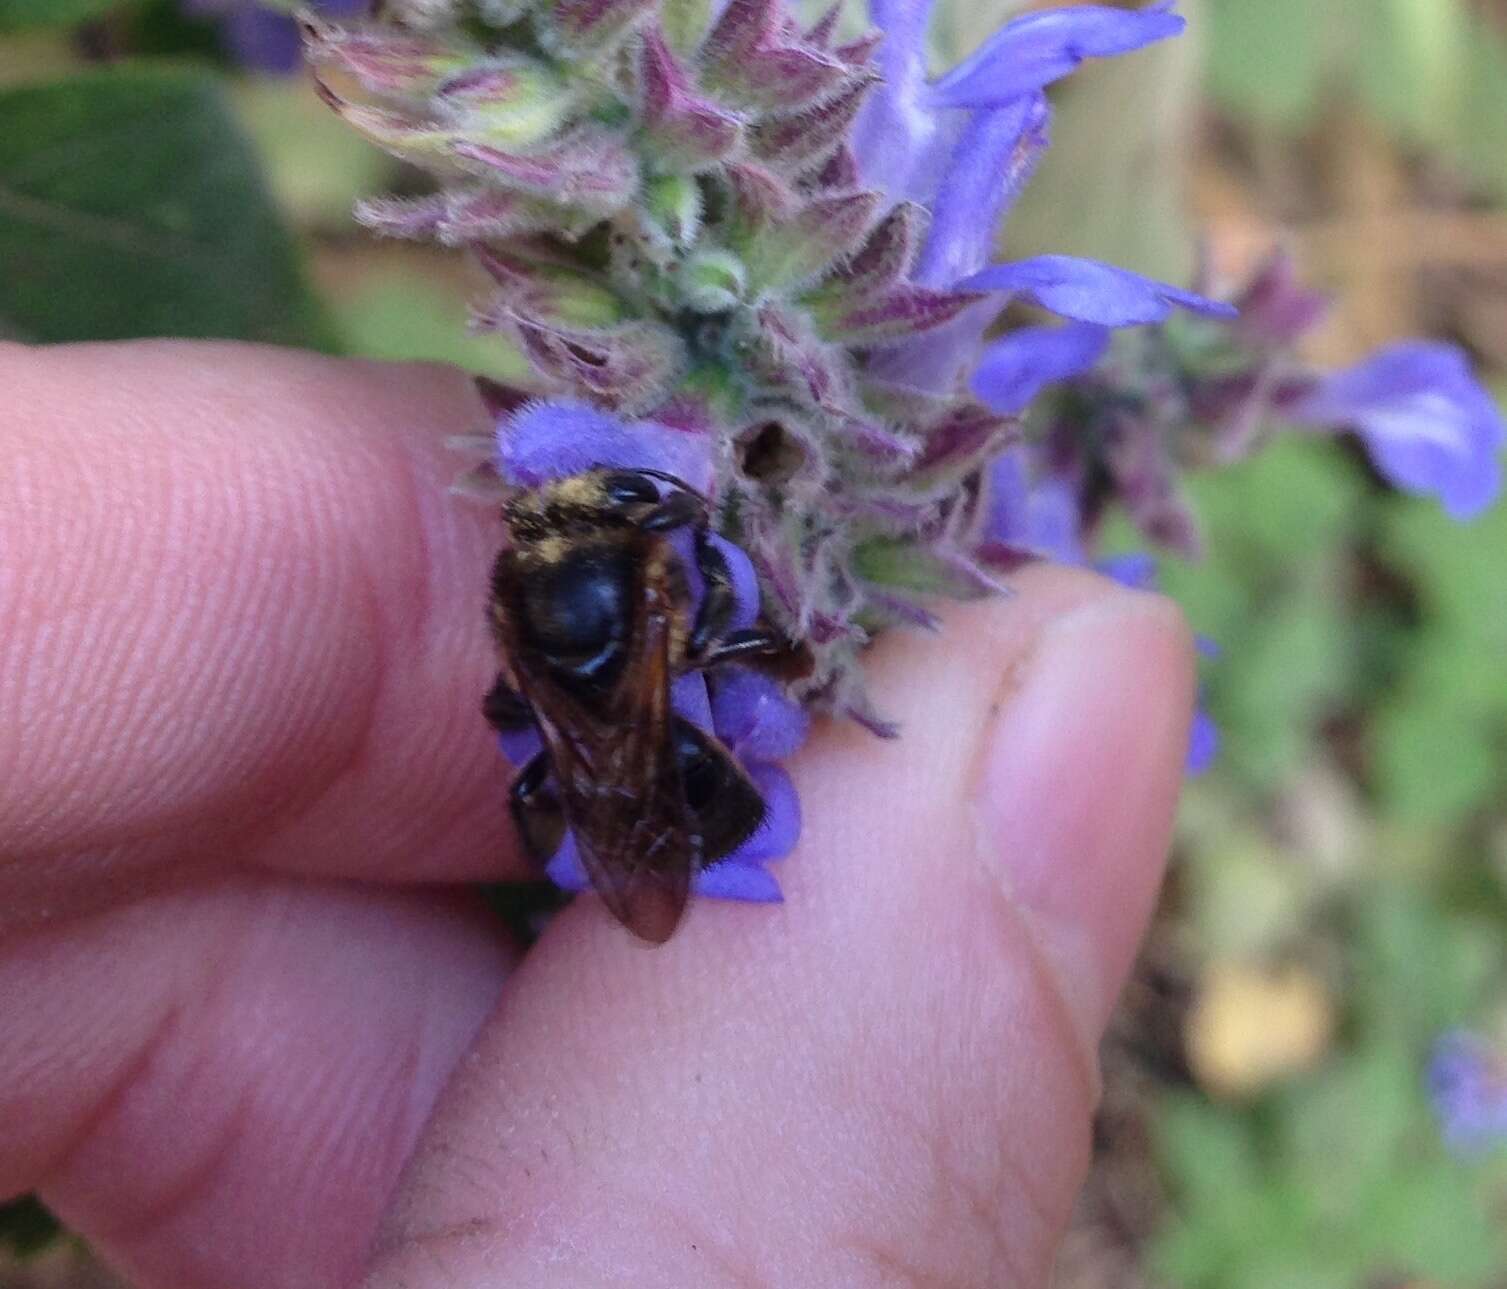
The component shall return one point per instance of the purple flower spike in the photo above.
(1032, 52)
(1467, 1084)
(1425, 420)
(1016, 369)
(1087, 291)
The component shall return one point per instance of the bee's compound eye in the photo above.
(626, 488)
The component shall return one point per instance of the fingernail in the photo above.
(1079, 785)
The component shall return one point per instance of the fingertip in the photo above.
(804, 1081)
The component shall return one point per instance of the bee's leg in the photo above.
(718, 601)
(678, 510)
(536, 809)
(738, 646)
(505, 708)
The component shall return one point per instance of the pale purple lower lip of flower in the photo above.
(1425, 420)
(1088, 291)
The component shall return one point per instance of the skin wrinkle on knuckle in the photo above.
(180, 1018)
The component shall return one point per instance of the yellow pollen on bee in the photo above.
(578, 490)
(550, 550)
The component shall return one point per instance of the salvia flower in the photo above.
(1467, 1086)
(1427, 424)
(743, 246)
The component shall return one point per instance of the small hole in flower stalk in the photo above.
(768, 453)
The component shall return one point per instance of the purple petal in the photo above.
(689, 697)
(1425, 420)
(556, 439)
(781, 828)
(751, 714)
(1088, 291)
(993, 160)
(565, 869)
(1018, 367)
(740, 876)
(1055, 522)
(1030, 53)
(896, 129)
(1135, 570)
(1009, 498)
(745, 581)
(261, 38)
(520, 746)
(1467, 1085)
(1040, 516)
(264, 41)
(745, 882)
(1203, 743)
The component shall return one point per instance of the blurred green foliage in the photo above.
(132, 205)
(18, 15)
(1435, 71)
(1364, 637)
(1342, 1176)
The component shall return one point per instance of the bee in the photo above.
(593, 617)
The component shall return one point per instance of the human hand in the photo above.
(240, 755)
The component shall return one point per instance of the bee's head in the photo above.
(581, 505)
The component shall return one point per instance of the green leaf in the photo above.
(1267, 60)
(130, 205)
(16, 14)
(1434, 761)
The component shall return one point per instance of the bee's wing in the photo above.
(616, 770)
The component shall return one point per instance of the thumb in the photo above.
(888, 1079)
